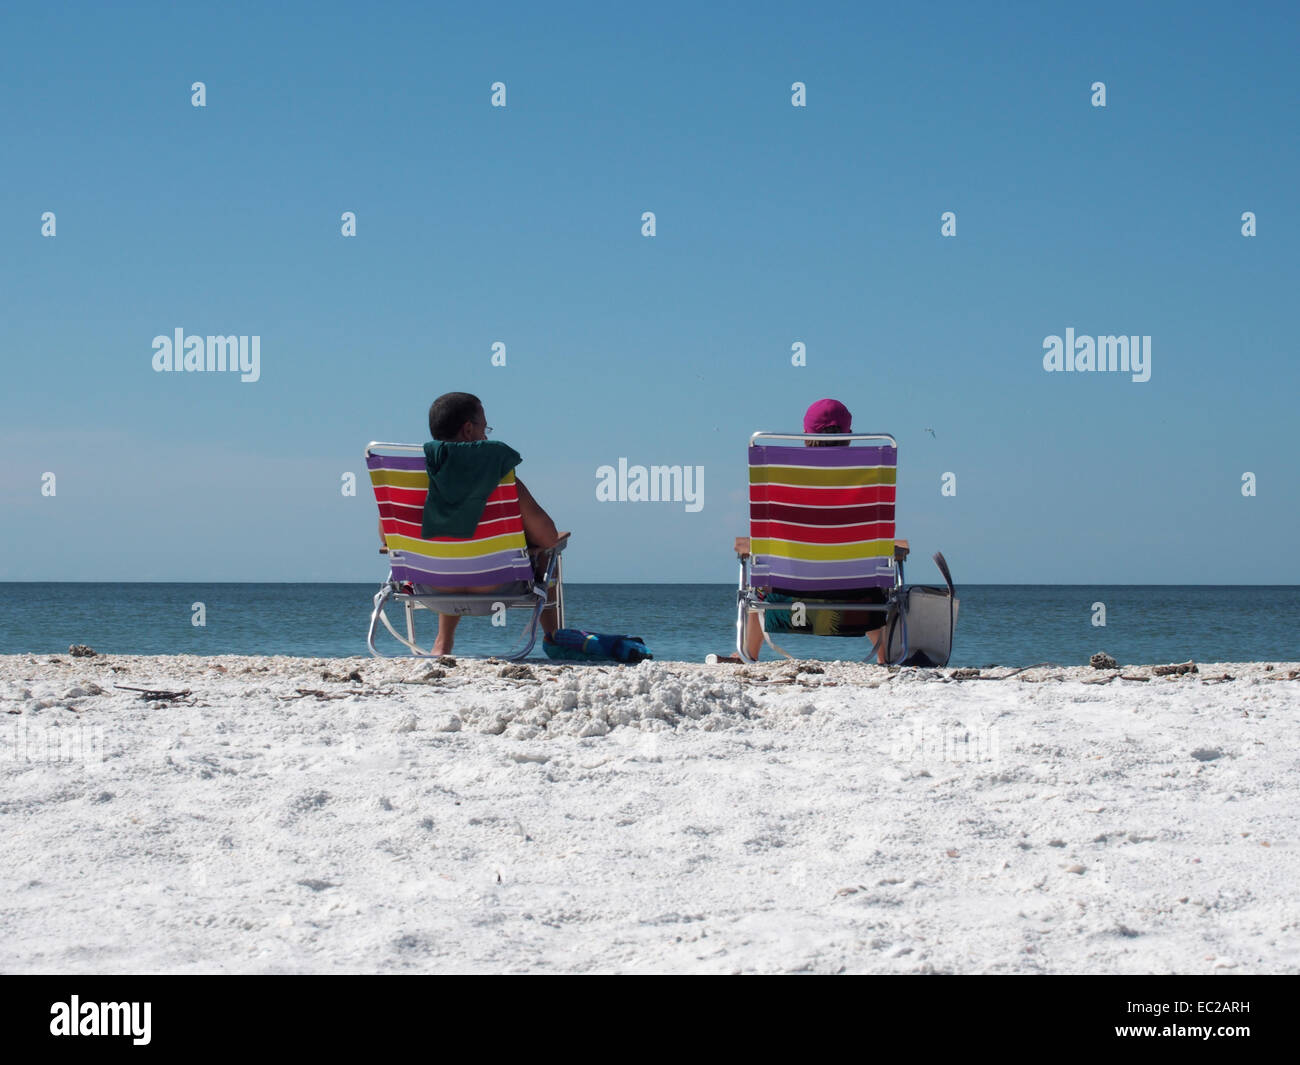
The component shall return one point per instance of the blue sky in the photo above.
(775, 224)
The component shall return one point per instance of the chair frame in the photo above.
(747, 595)
(469, 603)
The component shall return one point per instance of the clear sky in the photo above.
(775, 224)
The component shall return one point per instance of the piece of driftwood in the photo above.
(151, 694)
(322, 696)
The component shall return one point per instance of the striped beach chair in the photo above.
(821, 523)
(497, 554)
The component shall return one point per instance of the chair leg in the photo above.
(529, 638)
(552, 579)
(900, 618)
(379, 615)
(559, 591)
(414, 650)
(381, 597)
(742, 615)
(525, 646)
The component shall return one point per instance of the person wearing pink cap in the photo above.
(828, 416)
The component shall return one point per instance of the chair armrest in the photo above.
(559, 545)
(742, 547)
(901, 550)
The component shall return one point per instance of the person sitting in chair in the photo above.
(464, 468)
(825, 416)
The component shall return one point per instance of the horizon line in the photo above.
(725, 584)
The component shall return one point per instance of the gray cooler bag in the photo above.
(920, 624)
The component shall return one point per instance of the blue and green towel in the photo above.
(461, 477)
(576, 645)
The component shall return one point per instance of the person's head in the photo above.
(457, 416)
(827, 416)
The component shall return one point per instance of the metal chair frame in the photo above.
(747, 595)
(535, 599)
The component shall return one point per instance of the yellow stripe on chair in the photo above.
(824, 552)
(459, 548)
(833, 477)
(400, 478)
(418, 478)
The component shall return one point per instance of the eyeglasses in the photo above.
(487, 430)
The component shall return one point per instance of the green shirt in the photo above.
(461, 477)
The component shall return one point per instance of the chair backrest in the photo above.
(495, 554)
(821, 519)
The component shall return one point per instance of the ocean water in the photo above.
(1010, 625)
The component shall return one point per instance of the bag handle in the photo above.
(942, 563)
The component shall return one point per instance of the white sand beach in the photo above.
(478, 817)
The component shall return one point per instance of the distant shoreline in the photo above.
(654, 583)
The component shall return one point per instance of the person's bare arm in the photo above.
(539, 529)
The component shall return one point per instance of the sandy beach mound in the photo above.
(271, 814)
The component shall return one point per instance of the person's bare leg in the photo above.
(446, 633)
(877, 637)
(447, 622)
(550, 620)
(753, 635)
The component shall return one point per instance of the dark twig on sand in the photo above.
(322, 696)
(154, 693)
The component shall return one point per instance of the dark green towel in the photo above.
(461, 477)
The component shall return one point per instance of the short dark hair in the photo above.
(449, 412)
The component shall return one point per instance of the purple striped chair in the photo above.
(497, 554)
(821, 523)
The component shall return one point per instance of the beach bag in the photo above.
(576, 645)
(925, 617)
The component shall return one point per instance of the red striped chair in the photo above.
(497, 554)
(821, 523)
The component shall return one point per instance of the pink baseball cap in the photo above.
(828, 415)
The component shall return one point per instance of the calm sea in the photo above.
(1012, 625)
